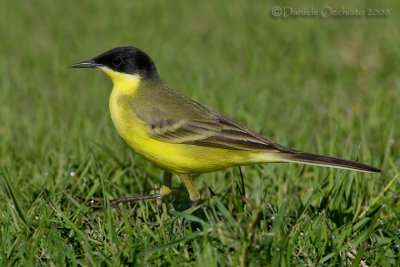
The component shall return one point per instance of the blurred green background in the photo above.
(328, 86)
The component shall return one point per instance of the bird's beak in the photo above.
(86, 64)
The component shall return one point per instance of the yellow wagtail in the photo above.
(179, 134)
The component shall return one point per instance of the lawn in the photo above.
(322, 85)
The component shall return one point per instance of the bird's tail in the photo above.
(319, 160)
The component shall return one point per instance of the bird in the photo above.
(179, 134)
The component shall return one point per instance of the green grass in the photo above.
(328, 86)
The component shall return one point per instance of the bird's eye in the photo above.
(117, 61)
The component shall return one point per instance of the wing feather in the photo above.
(223, 133)
(182, 120)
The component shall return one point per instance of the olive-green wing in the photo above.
(180, 120)
(220, 133)
(175, 118)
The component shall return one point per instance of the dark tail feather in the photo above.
(313, 159)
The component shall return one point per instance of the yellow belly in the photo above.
(178, 158)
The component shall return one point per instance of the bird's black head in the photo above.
(127, 59)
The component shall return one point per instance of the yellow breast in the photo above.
(128, 125)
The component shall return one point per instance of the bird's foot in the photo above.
(115, 202)
(194, 203)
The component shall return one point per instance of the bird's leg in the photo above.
(193, 192)
(165, 191)
(115, 202)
